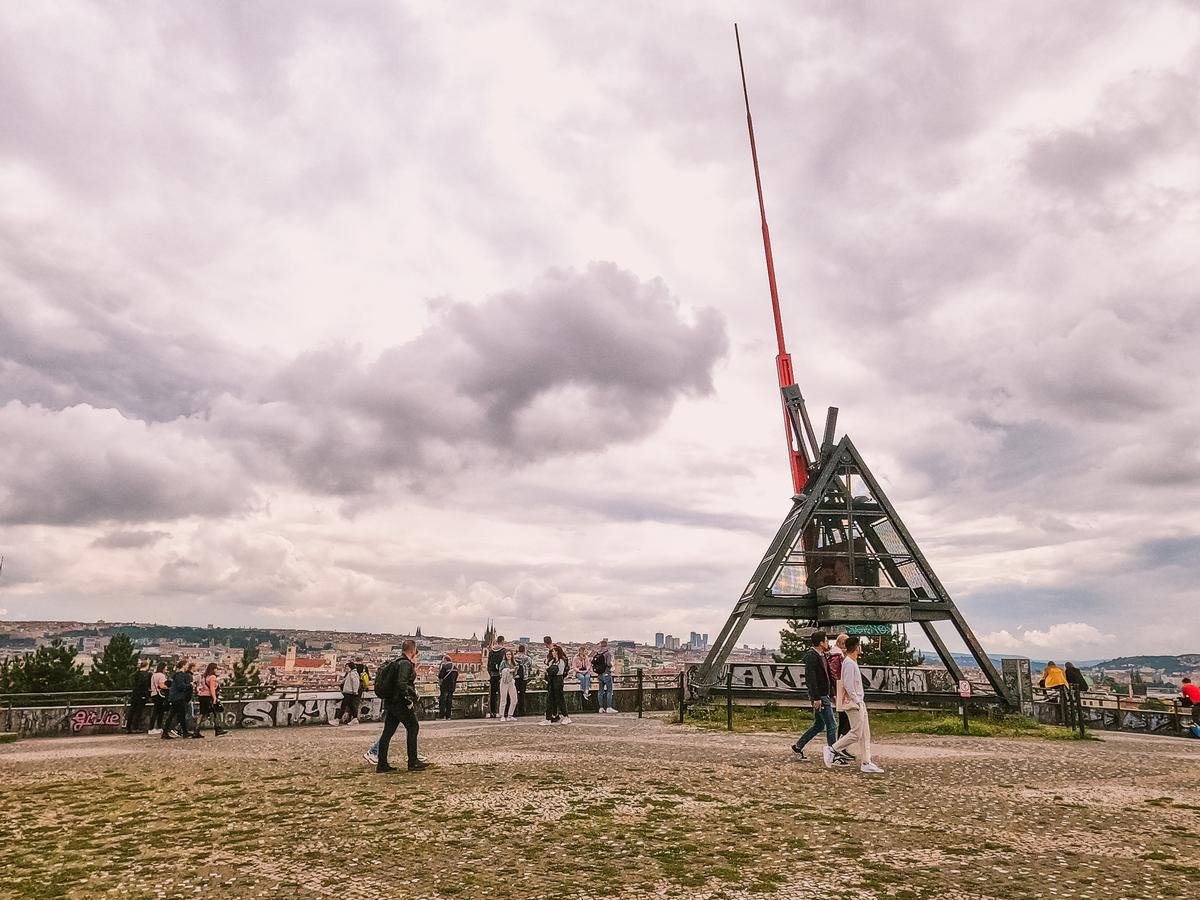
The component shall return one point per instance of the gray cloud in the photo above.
(130, 540)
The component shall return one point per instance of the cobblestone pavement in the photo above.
(606, 807)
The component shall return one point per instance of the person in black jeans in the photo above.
(139, 696)
(494, 658)
(524, 667)
(401, 709)
(447, 683)
(556, 670)
(180, 697)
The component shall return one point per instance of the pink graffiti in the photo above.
(88, 718)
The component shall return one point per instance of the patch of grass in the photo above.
(774, 718)
(8, 738)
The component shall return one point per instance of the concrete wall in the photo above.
(308, 708)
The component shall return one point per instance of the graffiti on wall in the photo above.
(881, 679)
(92, 718)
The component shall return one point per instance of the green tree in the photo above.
(246, 678)
(792, 644)
(892, 649)
(113, 669)
(49, 669)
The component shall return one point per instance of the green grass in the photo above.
(772, 718)
(7, 738)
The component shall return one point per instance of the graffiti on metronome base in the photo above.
(884, 679)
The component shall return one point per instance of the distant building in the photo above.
(658, 640)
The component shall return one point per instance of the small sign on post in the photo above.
(964, 691)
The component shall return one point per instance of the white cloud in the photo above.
(1063, 637)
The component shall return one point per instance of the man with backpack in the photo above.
(602, 665)
(494, 658)
(447, 683)
(139, 697)
(820, 693)
(396, 685)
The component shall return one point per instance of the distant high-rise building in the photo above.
(704, 641)
(658, 640)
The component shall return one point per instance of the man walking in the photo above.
(852, 698)
(400, 708)
(602, 665)
(820, 692)
(447, 683)
(494, 658)
(139, 697)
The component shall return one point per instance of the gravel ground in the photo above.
(607, 807)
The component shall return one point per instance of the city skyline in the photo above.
(358, 318)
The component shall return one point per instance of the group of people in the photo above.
(181, 702)
(835, 686)
(1060, 679)
(509, 671)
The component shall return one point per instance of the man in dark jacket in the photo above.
(139, 696)
(180, 696)
(494, 658)
(400, 708)
(447, 683)
(820, 690)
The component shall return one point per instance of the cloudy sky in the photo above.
(367, 316)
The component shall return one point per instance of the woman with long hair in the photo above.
(209, 706)
(582, 667)
(556, 671)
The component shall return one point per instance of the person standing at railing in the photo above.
(556, 670)
(602, 665)
(158, 696)
(447, 685)
(852, 698)
(494, 658)
(508, 687)
(524, 674)
(139, 696)
(1189, 695)
(180, 697)
(1075, 679)
(351, 685)
(1055, 679)
(210, 706)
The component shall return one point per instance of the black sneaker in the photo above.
(196, 735)
(418, 766)
(799, 751)
(167, 736)
(847, 754)
(221, 731)
(385, 769)
(840, 758)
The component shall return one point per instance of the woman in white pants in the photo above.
(852, 701)
(508, 688)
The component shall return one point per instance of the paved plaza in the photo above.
(607, 807)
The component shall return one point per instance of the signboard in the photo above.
(964, 689)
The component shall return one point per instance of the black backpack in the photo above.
(599, 664)
(387, 681)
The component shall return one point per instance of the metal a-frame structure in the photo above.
(842, 556)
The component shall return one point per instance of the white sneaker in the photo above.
(602, 710)
(545, 722)
(154, 731)
(335, 722)
(566, 720)
(827, 752)
(372, 758)
(610, 709)
(354, 721)
(870, 769)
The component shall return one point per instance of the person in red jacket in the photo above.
(1190, 695)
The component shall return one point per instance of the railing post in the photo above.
(682, 698)
(639, 693)
(729, 699)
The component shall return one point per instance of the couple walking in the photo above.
(829, 675)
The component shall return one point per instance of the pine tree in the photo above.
(892, 649)
(247, 679)
(114, 669)
(49, 669)
(792, 644)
